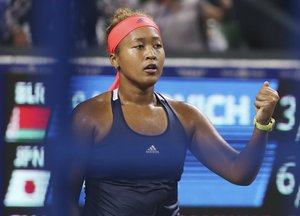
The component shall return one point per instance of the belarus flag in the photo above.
(27, 188)
(27, 123)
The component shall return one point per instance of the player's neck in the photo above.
(137, 96)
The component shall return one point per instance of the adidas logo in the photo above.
(152, 150)
(142, 20)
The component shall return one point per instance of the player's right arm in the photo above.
(81, 136)
(91, 121)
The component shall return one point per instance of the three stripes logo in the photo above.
(152, 150)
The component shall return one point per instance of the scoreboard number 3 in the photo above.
(288, 101)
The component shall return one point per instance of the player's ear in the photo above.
(113, 60)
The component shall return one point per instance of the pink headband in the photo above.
(121, 30)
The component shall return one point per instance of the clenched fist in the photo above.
(265, 103)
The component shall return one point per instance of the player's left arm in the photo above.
(249, 160)
(216, 154)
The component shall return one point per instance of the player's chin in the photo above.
(150, 81)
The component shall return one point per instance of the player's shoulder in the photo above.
(96, 102)
(181, 107)
(95, 106)
(188, 114)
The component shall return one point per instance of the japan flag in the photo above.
(27, 188)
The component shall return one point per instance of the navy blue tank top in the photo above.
(133, 174)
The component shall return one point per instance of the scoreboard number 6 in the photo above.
(286, 182)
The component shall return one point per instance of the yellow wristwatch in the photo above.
(268, 127)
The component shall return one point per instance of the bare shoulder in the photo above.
(94, 106)
(88, 116)
(183, 108)
(188, 114)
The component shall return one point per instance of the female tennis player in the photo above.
(137, 139)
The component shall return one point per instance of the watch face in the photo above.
(272, 122)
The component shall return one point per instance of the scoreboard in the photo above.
(223, 89)
(26, 112)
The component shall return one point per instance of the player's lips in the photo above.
(151, 68)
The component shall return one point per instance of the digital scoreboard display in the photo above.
(223, 89)
(27, 111)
